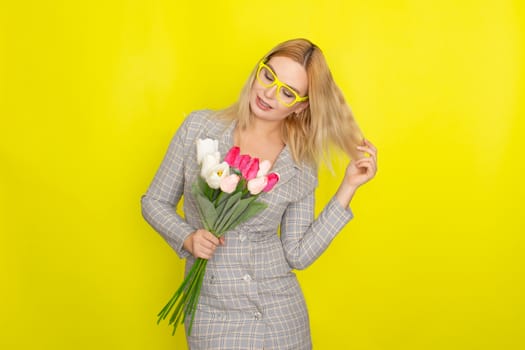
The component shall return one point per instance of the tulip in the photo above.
(250, 170)
(229, 183)
(206, 146)
(264, 168)
(255, 186)
(216, 174)
(233, 157)
(209, 161)
(273, 178)
(244, 159)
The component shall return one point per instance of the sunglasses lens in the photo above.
(286, 95)
(266, 77)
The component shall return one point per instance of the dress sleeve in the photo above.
(305, 239)
(164, 193)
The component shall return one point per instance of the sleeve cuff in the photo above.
(339, 215)
(181, 252)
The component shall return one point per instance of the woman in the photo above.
(289, 112)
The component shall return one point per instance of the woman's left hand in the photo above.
(360, 171)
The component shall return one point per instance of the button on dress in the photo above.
(250, 297)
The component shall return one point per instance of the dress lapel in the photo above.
(285, 166)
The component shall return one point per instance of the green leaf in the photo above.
(233, 214)
(205, 189)
(253, 209)
(202, 185)
(223, 196)
(208, 212)
(220, 208)
(225, 212)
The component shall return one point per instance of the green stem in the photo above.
(166, 309)
(194, 306)
(187, 292)
(193, 288)
(195, 294)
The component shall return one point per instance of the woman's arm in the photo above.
(165, 191)
(305, 239)
(357, 173)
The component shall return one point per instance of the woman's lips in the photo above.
(262, 105)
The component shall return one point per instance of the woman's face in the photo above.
(264, 102)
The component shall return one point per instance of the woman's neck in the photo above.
(262, 139)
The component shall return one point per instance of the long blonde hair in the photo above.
(326, 121)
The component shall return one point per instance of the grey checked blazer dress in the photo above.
(250, 298)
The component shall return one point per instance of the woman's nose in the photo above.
(270, 92)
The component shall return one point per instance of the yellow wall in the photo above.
(92, 92)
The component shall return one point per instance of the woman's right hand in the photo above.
(202, 244)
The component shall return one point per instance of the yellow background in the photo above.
(91, 93)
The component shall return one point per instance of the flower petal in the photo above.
(216, 174)
(229, 183)
(233, 156)
(273, 178)
(264, 168)
(244, 161)
(250, 171)
(209, 161)
(206, 146)
(255, 186)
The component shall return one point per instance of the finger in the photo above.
(205, 252)
(368, 159)
(364, 161)
(371, 145)
(211, 238)
(206, 238)
(207, 245)
(368, 164)
(222, 240)
(368, 150)
(200, 240)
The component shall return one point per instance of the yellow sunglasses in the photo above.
(285, 94)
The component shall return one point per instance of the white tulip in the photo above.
(206, 146)
(216, 174)
(209, 161)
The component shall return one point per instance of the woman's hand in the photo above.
(202, 244)
(362, 170)
(358, 172)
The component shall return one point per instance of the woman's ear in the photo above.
(301, 107)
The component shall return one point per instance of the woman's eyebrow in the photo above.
(291, 87)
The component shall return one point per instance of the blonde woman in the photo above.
(290, 111)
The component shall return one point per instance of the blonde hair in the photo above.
(326, 121)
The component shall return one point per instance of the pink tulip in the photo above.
(273, 178)
(233, 157)
(255, 186)
(264, 168)
(229, 183)
(250, 170)
(244, 159)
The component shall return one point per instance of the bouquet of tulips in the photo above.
(226, 193)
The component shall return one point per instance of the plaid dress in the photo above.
(250, 298)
